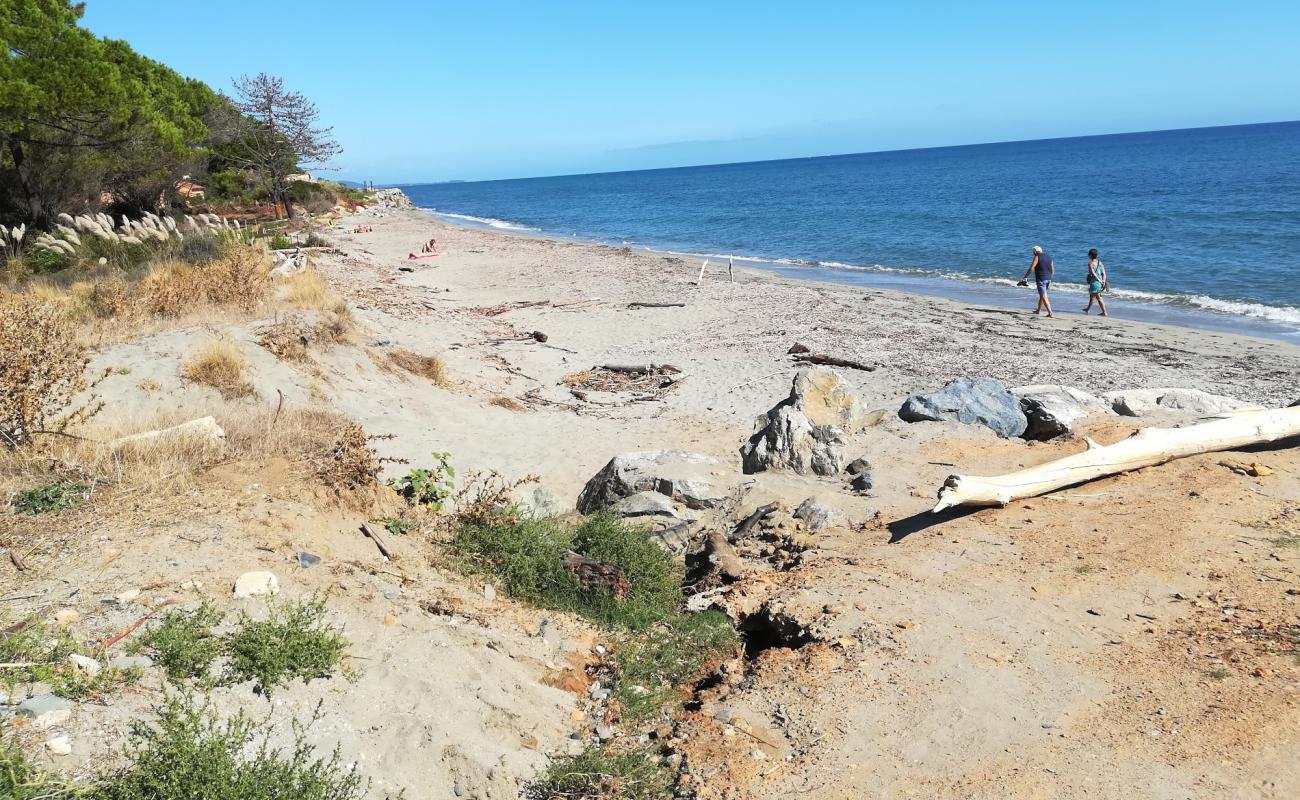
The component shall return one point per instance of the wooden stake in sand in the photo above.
(1144, 448)
(699, 280)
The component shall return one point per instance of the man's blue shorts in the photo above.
(1043, 286)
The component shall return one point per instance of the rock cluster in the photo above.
(1052, 409)
(1139, 402)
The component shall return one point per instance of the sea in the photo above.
(1197, 227)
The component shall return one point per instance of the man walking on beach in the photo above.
(1043, 270)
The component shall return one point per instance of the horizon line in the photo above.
(844, 155)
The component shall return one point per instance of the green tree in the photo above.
(80, 115)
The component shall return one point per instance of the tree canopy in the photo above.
(81, 116)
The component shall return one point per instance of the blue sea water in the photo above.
(1198, 227)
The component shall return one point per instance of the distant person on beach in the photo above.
(1097, 282)
(427, 250)
(1043, 270)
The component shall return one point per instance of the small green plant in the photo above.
(294, 641)
(1220, 674)
(36, 652)
(184, 643)
(121, 370)
(427, 487)
(399, 527)
(58, 496)
(186, 754)
(654, 664)
(280, 242)
(315, 240)
(601, 774)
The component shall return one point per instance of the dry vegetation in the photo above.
(222, 365)
(508, 403)
(307, 289)
(42, 370)
(293, 338)
(431, 368)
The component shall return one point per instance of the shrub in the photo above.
(315, 240)
(184, 643)
(220, 364)
(43, 262)
(427, 487)
(239, 279)
(280, 242)
(202, 249)
(42, 369)
(527, 557)
(188, 755)
(293, 642)
(351, 464)
(58, 496)
(603, 774)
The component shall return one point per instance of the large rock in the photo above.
(818, 514)
(1139, 402)
(686, 478)
(256, 584)
(805, 431)
(1051, 409)
(971, 401)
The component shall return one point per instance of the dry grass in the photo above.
(321, 444)
(116, 307)
(222, 365)
(508, 403)
(430, 368)
(307, 289)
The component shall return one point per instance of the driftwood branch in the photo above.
(1144, 448)
(832, 361)
(638, 369)
(722, 556)
(201, 428)
(378, 540)
(656, 305)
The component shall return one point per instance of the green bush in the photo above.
(527, 557)
(59, 496)
(44, 262)
(280, 242)
(294, 641)
(187, 755)
(198, 248)
(184, 644)
(38, 653)
(601, 774)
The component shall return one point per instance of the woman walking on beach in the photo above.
(1043, 270)
(1096, 282)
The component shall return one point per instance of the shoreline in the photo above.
(919, 342)
(1152, 307)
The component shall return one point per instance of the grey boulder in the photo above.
(805, 432)
(970, 401)
(1052, 409)
(817, 515)
(686, 478)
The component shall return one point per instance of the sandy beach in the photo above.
(1130, 637)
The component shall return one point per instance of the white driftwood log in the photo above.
(1144, 448)
(201, 428)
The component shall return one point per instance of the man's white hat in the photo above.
(1038, 248)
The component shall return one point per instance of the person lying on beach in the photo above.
(427, 250)
(1097, 282)
(362, 229)
(1043, 270)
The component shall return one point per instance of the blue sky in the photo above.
(495, 89)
